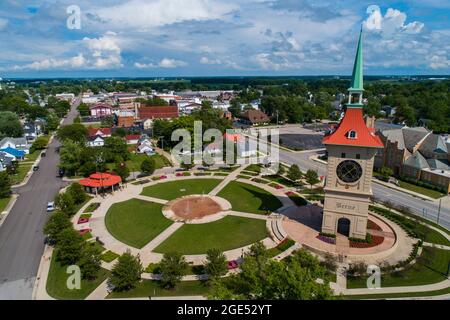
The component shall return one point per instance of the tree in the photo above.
(294, 173)
(76, 191)
(216, 264)
(126, 273)
(5, 185)
(58, 222)
(107, 122)
(116, 148)
(39, 144)
(10, 125)
(90, 261)
(148, 166)
(70, 246)
(311, 177)
(386, 172)
(83, 109)
(294, 278)
(76, 133)
(122, 170)
(65, 203)
(173, 267)
(52, 122)
(186, 165)
(71, 156)
(281, 169)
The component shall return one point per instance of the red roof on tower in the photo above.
(353, 121)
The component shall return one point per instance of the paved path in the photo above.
(100, 293)
(160, 238)
(151, 199)
(247, 215)
(232, 176)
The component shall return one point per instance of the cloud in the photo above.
(3, 23)
(392, 22)
(47, 64)
(101, 53)
(206, 60)
(148, 14)
(165, 63)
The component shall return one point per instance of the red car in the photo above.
(162, 177)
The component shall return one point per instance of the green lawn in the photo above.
(3, 203)
(253, 168)
(427, 192)
(149, 288)
(136, 222)
(109, 256)
(176, 189)
(430, 268)
(57, 278)
(225, 234)
(136, 160)
(22, 171)
(248, 198)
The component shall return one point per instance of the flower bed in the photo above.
(375, 241)
(276, 186)
(373, 226)
(84, 231)
(83, 220)
(326, 239)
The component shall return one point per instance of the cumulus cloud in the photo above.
(147, 14)
(99, 53)
(165, 63)
(392, 22)
(47, 64)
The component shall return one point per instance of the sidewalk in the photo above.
(40, 286)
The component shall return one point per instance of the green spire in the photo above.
(357, 77)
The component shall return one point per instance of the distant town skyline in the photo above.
(189, 38)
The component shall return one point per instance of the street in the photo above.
(21, 237)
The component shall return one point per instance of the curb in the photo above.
(8, 208)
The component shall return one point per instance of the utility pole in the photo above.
(439, 210)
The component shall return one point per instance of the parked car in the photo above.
(61, 173)
(35, 168)
(43, 154)
(51, 206)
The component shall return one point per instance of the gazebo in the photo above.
(101, 181)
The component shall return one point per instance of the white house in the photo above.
(15, 143)
(146, 148)
(96, 141)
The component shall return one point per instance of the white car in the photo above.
(50, 207)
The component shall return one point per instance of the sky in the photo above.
(176, 38)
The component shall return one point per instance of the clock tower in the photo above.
(351, 148)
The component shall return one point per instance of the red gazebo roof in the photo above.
(98, 180)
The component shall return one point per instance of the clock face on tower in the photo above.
(349, 171)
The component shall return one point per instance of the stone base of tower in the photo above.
(352, 226)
